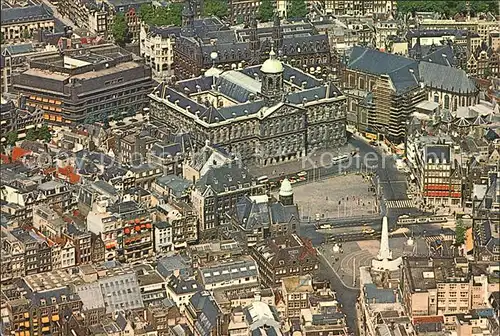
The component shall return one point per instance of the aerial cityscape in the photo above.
(250, 168)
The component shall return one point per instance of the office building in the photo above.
(85, 85)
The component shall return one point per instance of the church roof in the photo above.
(446, 77)
(403, 71)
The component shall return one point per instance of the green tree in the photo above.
(12, 138)
(266, 10)
(32, 134)
(161, 16)
(146, 13)
(459, 232)
(298, 9)
(26, 34)
(117, 115)
(120, 29)
(215, 7)
(447, 7)
(44, 133)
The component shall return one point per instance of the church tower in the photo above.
(187, 28)
(272, 79)
(277, 33)
(286, 193)
(254, 42)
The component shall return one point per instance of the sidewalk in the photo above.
(309, 162)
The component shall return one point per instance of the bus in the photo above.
(407, 220)
(263, 179)
(339, 159)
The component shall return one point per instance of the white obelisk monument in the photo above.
(384, 261)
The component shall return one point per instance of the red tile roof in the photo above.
(69, 173)
(428, 319)
(16, 154)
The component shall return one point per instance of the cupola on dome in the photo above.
(272, 65)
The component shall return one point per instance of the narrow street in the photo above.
(56, 13)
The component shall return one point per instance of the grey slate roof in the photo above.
(16, 49)
(176, 184)
(228, 271)
(435, 54)
(253, 215)
(402, 71)
(208, 312)
(105, 187)
(241, 86)
(26, 14)
(165, 31)
(180, 286)
(380, 295)
(448, 78)
(218, 178)
(167, 265)
(376, 62)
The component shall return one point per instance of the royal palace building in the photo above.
(263, 114)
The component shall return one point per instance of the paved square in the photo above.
(336, 197)
(357, 254)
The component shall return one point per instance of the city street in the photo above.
(57, 15)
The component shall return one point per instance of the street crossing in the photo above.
(400, 204)
(432, 239)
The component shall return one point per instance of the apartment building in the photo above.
(258, 218)
(181, 289)
(360, 7)
(203, 315)
(157, 50)
(284, 256)
(477, 25)
(125, 228)
(37, 252)
(384, 30)
(441, 286)
(236, 48)
(85, 85)
(48, 311)
(438, 174)
(19, 119)
(163, 237)
(241, 10)
(218, 191)
(296, 291)
(23, 194)
(183, 223)
(13, 257)
(240, 273)
(19, 23)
